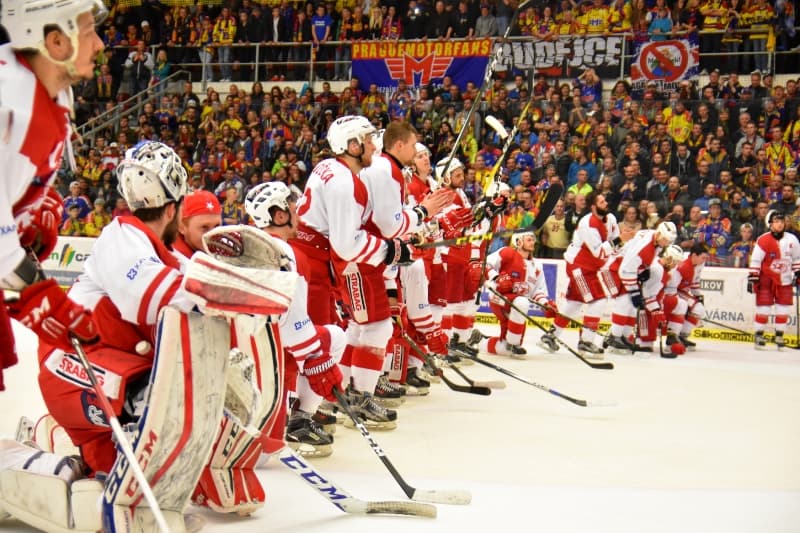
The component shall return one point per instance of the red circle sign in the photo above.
(659, 54)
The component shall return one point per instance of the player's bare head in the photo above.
(699, 250)
(776, 221)
(351, 136)
(422, 160)
(271, 205)
(399, 140)
(64, 31)
(597, 203)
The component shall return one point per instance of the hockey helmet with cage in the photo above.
(265, 196)
(26, 20)
(673, 254)
(348, 128)
(151, 175)
(774, 214)
(445, 169)
(667, 230)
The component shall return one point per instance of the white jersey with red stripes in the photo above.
(638, 254)
(386, 188)
(591, 242)
(776, 259)
(509, 261)
(33, 133)
(685, 279)
(125, 267)
(336, 204)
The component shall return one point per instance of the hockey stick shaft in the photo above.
(605, 365)
(470, 389)
(557, 312)
(342, 499)
(122, 438)
(726, 326)
(509, 373)
(436, 496)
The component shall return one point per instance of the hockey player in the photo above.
(200, 213)
(683, 302)
(166, 385)
(313, 349)
(52, 45)
(593, 243)
(624, 276)
(512, 272)
(774, 270)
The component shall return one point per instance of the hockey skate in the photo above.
(516, 351)
(389, 394)
(619, 345)
(333, 409)
(780, 342)
(548, 342)
(327, 421)
(372, 415)
(760, 340)
(590, 350)
(428, 373)
(674, 347)
(690, 346)
(415, 384)
(475, 337)
(457, 344)
(306, 437)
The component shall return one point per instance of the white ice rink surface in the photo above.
(709, 442)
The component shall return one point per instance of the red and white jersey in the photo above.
(33, 131)
(298, 334)
(418, 188)
(591, 243)
(685, 279)
(650, 289)
(525, 272)
(637, 255)
(386, 188)
(776, 259)
(336, 204)
(131, 269)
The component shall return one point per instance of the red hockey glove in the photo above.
(504, 284)
(474, 274)
(44, 308)
(323, 376)
(39, 230)
(550, 309)
(454, 221)
(437, 342)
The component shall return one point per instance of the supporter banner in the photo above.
(666, 63)
(726, 301)
(67, 260)
(566, 57)
(419, 62)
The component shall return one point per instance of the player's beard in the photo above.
(171, 231)
(601, 212)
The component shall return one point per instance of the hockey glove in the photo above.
(474, 271)
(398, 252)
(323, 376)
(504, 284)
(436, 341)
(637, 300)
(39, 231)
(495, 206)
(550, 309)
(454, 221)
(643, 276)
(752, 283)
(45, 308)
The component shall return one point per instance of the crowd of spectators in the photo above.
(714, 159)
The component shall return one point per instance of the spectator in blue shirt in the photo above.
(322, 30)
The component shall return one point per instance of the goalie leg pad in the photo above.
(184, 407)
(228, 483)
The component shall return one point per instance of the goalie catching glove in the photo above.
(45, 308)
(323, 375)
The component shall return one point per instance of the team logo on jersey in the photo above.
(93, 412)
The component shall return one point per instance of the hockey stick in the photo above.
(605, 365)
(551, 198)
(473, 383)
(720, 324)
(557, 312)
(470, 389)
(122, 438)
(459, 497)
(576, 401)
(342, 499)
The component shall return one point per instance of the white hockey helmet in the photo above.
(445, 168)
(265, 196)
(667, 230)
(348, 128)
(497, 188)
(518, 238)
(26, 20)
(420, 148)
(151, 175)
(377, 140)
(673, 254)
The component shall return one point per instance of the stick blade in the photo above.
(491, 384)
(450, 497)
(395, 508)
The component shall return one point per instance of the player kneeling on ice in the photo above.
(774, 271)
(683, 302)
(512, 272)
(159, 363)
(311, 370)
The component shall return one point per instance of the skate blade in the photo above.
(311, 450)
(546, 348)
(373, 425)
(389, 402)
(417, 391)
(598, 356)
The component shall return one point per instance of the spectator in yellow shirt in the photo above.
(224, 32)
(97, 219)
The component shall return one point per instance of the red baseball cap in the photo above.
(200, 203)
